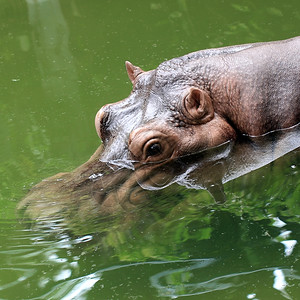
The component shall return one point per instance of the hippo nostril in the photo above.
(101, 122)
(104, 117)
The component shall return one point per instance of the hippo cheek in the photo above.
(151, 145)
(201, 137)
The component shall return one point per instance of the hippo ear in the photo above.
(197, 107)
(132, 71)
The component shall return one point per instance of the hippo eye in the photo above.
(153, 149)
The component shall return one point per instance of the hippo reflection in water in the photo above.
(202, 100)
(95, 188)
(190, 121)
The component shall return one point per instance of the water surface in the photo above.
(60, 62)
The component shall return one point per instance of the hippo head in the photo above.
(167, 115)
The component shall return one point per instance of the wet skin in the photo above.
(202, 100)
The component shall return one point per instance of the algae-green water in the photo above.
(60, 61)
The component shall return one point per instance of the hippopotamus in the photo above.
(202, 100)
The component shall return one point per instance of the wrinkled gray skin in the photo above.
(202, 100)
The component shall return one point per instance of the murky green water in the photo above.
(60, 61)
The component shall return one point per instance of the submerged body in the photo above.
(202, 100)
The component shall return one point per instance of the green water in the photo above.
(60, 61)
